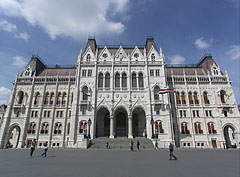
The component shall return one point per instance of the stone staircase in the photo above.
(120, 143)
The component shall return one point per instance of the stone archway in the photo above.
(229, 135)
(103, 123)
(139, 122)
(121, 124)
(13, 136)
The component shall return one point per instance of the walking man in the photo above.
(107, 145)
(138, 144)
(45, 148)
(156, 145)
(131, 145)
(33, 147)
(170, 149)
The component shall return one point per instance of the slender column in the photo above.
(111, 127)
(130, 133)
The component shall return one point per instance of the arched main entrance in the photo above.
(103, 123)
(229, 136)
(13, 136)
(139, 122)
(121, 122)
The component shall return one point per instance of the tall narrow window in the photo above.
(44, 128)
(58, 128)
(222, 94)
(88, 58)
(205, 98)
(32, 128)
(20, 97)
(197, 127)
(178, 98)
(140, 80)
(183, 98)
(83, 127)
(64, 98)
(85, 93)
(52, 98)
(107, 80)
(184, 128)
(100, 80)
(196, 98)
(153, 58)
(37, 97)
(117, 80)
(158, 127)
(134, 80)
(59, 98)
(211, 129)
(190, 97)
(156, 93)
(46, 98)
(124, 80)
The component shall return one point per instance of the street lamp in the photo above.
(152, 123)
(89, 124)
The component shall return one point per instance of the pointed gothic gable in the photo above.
(88, 53)
(105, 55)
(121, 55)
(136, 54)
(153, 54)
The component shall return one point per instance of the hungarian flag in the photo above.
(163, 91)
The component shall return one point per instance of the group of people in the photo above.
(33, 146)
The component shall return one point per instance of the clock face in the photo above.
(136, 55)
(105, 55)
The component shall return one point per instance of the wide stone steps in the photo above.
(120, 143)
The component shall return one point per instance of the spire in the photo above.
(161, 53)
(79, 56)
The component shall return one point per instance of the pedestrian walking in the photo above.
(131, 145)
(45, 148)
(34, 142)
(138, 144)
(107, 145)
(156, 145)
(170, 149)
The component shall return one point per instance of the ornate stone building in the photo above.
(113, 91)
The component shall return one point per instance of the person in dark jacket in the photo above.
(45, 148)
(170, 149)
(131, 145)
(138, 145)
(33, 147)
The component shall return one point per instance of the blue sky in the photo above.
(56, 30)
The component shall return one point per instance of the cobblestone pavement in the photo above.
(119, 163)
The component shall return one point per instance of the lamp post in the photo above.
(152, 123)
(89, 124)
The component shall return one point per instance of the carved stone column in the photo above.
(111, 127)
(130, 132)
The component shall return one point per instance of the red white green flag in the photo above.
(163, 91)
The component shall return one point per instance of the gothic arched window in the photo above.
(107, 80)
(59, 97)
(196, 98)
(64, 98)
(124, 80)
(190, 97)
(222, 94)
(46, 98)
(140, 80)
(20, 97)
(205, 98)
(134, 80)
(183, 98)
(58, 128)
(184, 128)
(100, 80)
(153, 57)
(88, 58)
(178, 98)
(197, 127)
(156, 92)
(32, 128)
(37, 97)
(85, 93)
(52, 98)
(117, 80)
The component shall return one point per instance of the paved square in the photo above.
(119, 163)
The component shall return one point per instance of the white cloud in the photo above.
(4, 95)
(11, 28)
(19, 61)
(234, 52)
(74, 19)
(202, 44)
(177, 59)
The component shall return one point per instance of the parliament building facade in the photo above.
(113, 91)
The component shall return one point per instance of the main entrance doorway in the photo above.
(103, 123)
(121, 125)
(139, 122)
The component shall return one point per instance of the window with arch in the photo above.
(124, 80)
(27, 72)
(156, 92)
(44, 128)
(159, 127)
(196, 98)
(58, 128)
(183, 98)
(190, 97)
(153, 57)
(205, 98)
(211, 129)
(59, 97)
(88, 58)
(37, 97)
(184, 128)
(117, 80)
(51, 98)
(20, 97)
(197, 128)
(100, 80)
(222, 96)
(107, 80)
(64, 98)
(83, 127)
(134, 80)
(178, 98)
(32, 128)
(46, 98)
(85, 93)
(140, 80)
